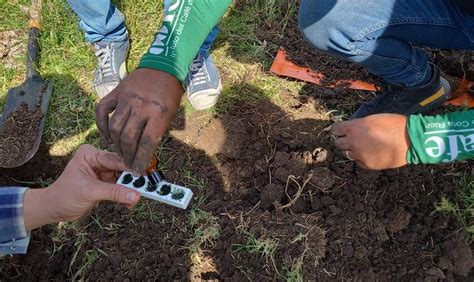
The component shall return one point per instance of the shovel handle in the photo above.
(32, 58)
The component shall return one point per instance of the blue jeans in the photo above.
(102, 21)
(379, 34)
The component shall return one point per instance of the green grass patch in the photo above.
(464, 212)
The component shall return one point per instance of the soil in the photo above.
(18, 134)
(282, 198)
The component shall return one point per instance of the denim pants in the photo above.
(102, 21)
(380, 35)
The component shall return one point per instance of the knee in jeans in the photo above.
(319, 27)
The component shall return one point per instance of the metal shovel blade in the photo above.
(22, 121)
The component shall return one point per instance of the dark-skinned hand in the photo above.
(143, 106)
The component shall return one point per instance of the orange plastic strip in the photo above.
(284, 67)
(462, 95)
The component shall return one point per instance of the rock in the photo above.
(321, 155)
(400, 220)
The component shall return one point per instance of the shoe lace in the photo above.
(105, 60)
(198, 71)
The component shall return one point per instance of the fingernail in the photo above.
(131, 197)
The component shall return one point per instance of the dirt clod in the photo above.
(271, 193)
(399, 221)
(460, 254)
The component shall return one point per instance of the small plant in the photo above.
(127, 179)
(206, 230)
(151, 187)
(266, 247)
(139, 182)
(295, 273)
(177, 194)
(165, 190)
(465, 212)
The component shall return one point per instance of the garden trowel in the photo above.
(34, 94)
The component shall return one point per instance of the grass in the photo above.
(464, 212)
(264, 247)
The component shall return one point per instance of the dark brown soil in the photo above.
(18, 134)
(348, 222)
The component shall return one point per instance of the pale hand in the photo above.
(375, 142)
(88, 178)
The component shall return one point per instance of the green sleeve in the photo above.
(442, 138)
(185, 27)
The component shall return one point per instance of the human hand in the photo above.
(143, 105)
(375, 142)
(88, 178)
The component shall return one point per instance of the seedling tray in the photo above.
(163, 191)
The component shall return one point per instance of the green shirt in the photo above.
(441, 138)
(186, 25)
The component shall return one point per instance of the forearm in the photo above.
(441, 138)
(37, 208)
(185, 27)
(14, 237)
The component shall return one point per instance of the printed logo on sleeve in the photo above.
(449, 141)
(169, 35)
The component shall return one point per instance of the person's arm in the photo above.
(146, 101)
(87, 179)
(441, 138)
(185, 27)
(385, 141)
(14, 238)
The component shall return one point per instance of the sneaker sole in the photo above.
(123, 70)
(205, 99)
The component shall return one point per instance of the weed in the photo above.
(465, 212)
(206, 230)
(145, 210)
(265, 247)
(90, 256)
(295, 273)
